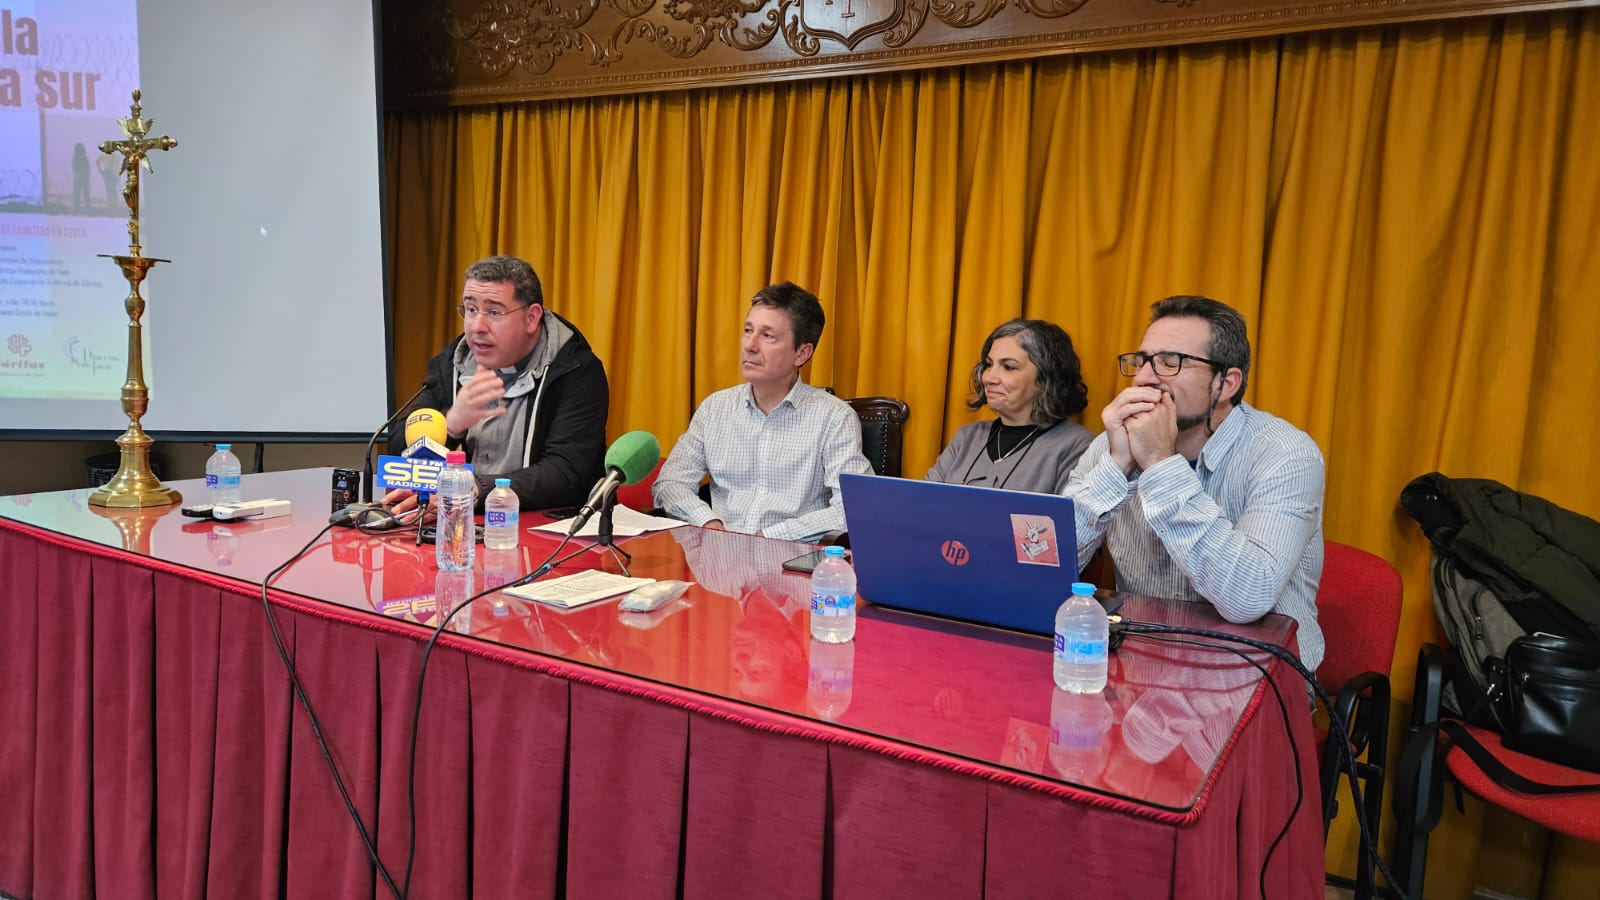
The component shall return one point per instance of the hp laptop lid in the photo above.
(995, 557)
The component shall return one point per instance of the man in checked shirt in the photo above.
(1197, 494)
(773, 446)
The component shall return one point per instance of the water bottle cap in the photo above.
(224, 446)
(499, 482)
(834, 551)
(1082, 589)
(455, 458)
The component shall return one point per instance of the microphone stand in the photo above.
(364, 494)
(422, 514)
(603, 538)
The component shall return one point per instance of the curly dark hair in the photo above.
(1062, 392)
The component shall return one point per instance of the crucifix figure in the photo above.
(134, 149)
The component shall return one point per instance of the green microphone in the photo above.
(630, 458)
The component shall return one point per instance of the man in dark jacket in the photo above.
(521, 391)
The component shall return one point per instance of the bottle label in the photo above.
(832, 604)
(211, 481)
(500, 518)
(1079, 649)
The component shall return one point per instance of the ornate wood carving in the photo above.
(459, 52)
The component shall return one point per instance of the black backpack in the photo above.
(1512, 595)
(1479, 627)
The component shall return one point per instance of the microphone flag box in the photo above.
(426, 447)
(419, 474)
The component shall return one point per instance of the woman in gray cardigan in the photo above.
(1029, 375)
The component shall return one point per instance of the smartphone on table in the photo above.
(806, 562)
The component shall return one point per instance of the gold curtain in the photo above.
(1406, 217)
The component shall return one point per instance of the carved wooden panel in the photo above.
(458, 52)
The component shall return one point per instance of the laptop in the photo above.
(1002, 558)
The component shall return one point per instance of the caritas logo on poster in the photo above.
(20, 348)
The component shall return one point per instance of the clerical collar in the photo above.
(509, 374)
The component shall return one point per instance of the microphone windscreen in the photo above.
(427, 423)
(634, 454)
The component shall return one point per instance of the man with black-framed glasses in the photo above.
(1195, 493)
(522, 392)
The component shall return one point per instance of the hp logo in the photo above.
(955, 553)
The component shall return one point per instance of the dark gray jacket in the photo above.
(1523, 547)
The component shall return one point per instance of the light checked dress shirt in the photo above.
(1241, 529)
(775, 475)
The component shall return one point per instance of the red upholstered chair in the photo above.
(637, 496)
(1419, 781)
(1358, 609)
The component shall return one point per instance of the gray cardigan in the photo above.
(1041, 467)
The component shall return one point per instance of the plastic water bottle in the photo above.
(833, 598)
(501, 517)
(222, 476)
(831, 680)
(1082, 639)
(454, 540)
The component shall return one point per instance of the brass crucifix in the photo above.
(134, 149)
(135, 486)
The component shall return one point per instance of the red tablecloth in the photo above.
(152, 746)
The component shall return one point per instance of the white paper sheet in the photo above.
(625, 522)
(575, 590)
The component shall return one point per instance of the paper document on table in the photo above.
(625, 522)
(570, 591)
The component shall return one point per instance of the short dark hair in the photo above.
(509, 270)
(1062, 392)
(805, 311)
(1230, 341)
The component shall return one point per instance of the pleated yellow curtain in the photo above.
(923, 209)
(1406, 217)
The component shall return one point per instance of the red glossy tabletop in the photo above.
(742, 631)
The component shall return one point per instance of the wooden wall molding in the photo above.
(440, 53)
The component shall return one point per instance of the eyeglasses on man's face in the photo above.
(1164, 362)
(495, 316)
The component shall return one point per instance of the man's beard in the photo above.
(1187, 422)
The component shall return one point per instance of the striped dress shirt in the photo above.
(1241, 529)
(775, 475)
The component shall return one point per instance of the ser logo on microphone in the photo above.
(399, 473)
(425, 421)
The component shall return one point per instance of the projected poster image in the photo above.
(67, 71)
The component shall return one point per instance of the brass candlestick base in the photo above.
(134, 484)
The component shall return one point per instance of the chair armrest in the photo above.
(1429, 690)
(1363, 705)
(1418, 777)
